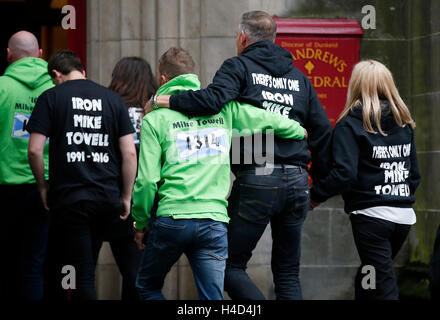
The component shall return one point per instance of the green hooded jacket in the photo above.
(189, 158)
(20, 87)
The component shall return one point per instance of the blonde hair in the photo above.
(369, 81)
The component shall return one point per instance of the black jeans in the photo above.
(378, 241)
(281, 198)
(434, 269)
(120, 235)
(72, 242)
(23, 241)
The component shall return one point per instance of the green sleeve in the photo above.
(4, 108)
(148, 176)
(247, 117)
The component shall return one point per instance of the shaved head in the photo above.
(21, 45)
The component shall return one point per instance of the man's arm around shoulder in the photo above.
(247, 117)
(225, 87)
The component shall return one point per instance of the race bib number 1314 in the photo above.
(201, 143)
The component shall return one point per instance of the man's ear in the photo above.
(84, 73)
(55, 73)
(163, 79)
(56, 76)
(243, 38)
(8, 55)
(40, 53)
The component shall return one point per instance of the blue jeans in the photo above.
(204, 242)
(281, 198)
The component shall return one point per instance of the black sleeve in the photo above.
(414, 177)
(225, 87)
(41, 117)
(319, 130)
(125, 125)
(345, 167)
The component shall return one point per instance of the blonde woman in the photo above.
(376, 171)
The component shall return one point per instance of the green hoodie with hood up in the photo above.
(20, 87)
(189, 158)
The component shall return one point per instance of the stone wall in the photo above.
(406, 39)
(424, 43)
(330, 259)
(147, 28)
(424, 70)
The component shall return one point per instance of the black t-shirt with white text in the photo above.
(83, 122)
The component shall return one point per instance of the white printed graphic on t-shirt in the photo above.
(395, 172)
(83, 121)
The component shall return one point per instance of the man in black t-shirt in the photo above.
(92, 165)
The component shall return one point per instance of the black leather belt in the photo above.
(268, 165)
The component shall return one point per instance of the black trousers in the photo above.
(23, 239)
(378, 242)
(120, 236)
(434, 269)
(72, 240)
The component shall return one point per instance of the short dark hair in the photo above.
(176, 61)
(133, 80)
(64, 61)
(259, 26)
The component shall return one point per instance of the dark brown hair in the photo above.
(133, 80)
(64, 61)
(175, 62)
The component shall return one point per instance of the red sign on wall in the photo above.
(326, 52)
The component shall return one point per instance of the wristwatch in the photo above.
(154, 102)
(136, 229)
